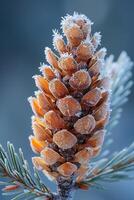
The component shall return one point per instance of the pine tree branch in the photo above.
(18, 179)
(120, 73)
(121, 84)
(115, 168)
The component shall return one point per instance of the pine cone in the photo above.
(71, 107)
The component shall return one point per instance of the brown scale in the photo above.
(71, 107)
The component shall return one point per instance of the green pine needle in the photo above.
(120, 73)
(18, 179)
(115, 168)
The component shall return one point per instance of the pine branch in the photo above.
(18, 179)
(120, 73)
(121, 84)
(115, 168)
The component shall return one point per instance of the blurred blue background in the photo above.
(25, 29)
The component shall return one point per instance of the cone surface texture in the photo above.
(71, 106)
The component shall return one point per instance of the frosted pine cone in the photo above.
(71, 107)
